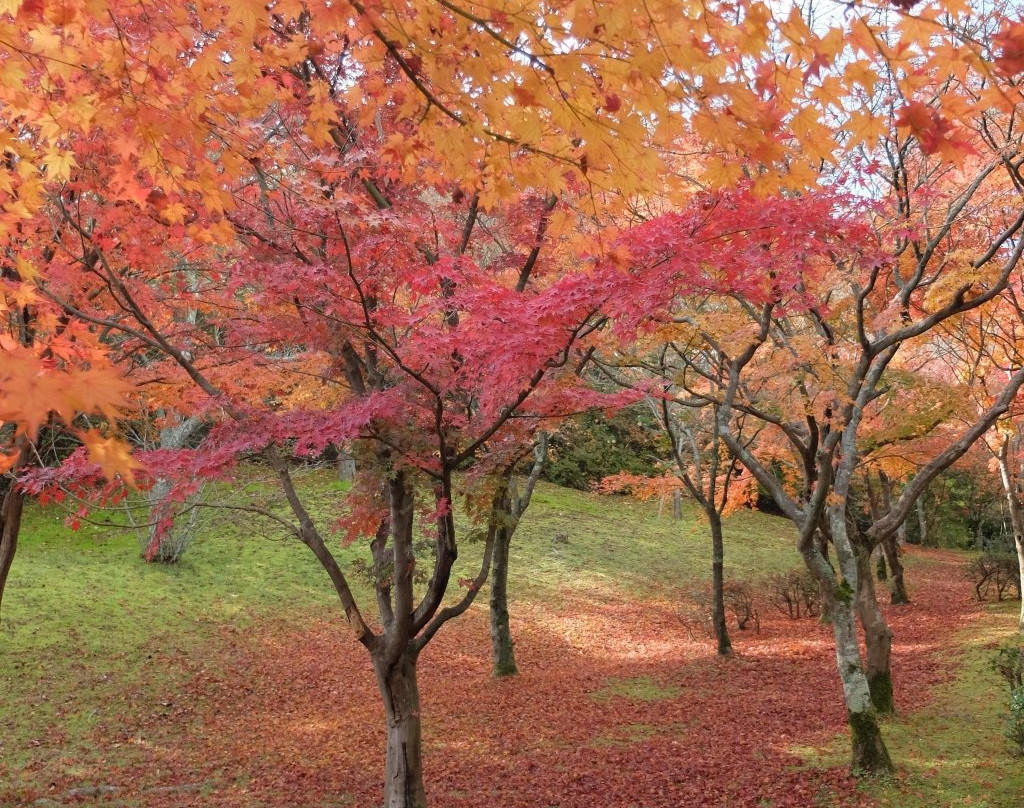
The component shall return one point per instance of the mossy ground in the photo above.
(953, 750)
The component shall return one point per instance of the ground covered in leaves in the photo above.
(617, 705)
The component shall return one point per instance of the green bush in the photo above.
(1015, 728)
(592, 446)
(1009, 663)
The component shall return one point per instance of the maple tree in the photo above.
(703, 467)
(51, 371)
(979, 351)
(830, 360)
(331, 173)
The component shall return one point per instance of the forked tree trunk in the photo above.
(897, 589)
(718, 584)
(12, 500)
(403, 784)
(891, 543)
(869, 754)
(877, 636)
(502, 648)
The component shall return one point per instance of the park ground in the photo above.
(229, 680)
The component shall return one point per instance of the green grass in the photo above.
(638, 688)
(953, 752)
(73, 592)
(569, 541)
(90, 633)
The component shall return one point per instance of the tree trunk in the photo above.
(869, 754)
(346, 467)
(403, 784)
(507, 509)
(897, 589)
(1010, 479)
(718, 584)
(922, 522)
(169, 536)
(502, 651)
(881, 504)
(821, 542)
(677, 505)
(12, 499)
(1018, 540)
(877, 636)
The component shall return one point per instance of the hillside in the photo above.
(229, 680)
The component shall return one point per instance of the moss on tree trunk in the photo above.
(502, 648)
(869, 754)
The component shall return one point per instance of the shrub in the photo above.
(795, 594)
(995, 573)
(1015, 728)
(1009, 663)
(739, 602)
(739, 599)
(592, 446)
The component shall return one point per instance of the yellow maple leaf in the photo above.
(866, 127)
(58, 164)
(101, 389)
(26, 271)
(113, 456)
(174, 213)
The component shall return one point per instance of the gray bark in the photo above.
(509, 507)
(868, 750)
(346, 467)
(1011, 486)
(897, 588)
(922, 522)
(403, 778)
(891, 548)
(677, 505)
(169, 536)
(877, 636)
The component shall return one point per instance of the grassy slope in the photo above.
(90, 632)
